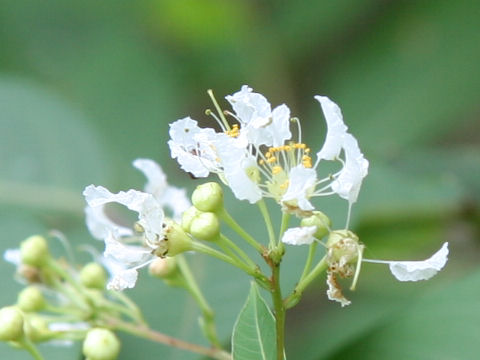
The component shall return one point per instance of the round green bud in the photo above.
(31, 299)
(205, 226)
(93, 276)
(34, 251)
(208, 197)
(337, 235)
(11, 323)
(320, 220)
(101, 344)
(188, 216)
(163, 267)
(36, 329)
(176, 240)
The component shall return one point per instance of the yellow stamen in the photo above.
(276, 169)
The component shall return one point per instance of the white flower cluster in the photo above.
(257, 157)
(122, 259)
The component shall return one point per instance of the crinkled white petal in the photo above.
(193, 147)
(150, 213)
(336, 129)
(251, 108)
(13, 256)
(99, 224)
(280, 127)
(347, 184)
(123, 280)
(126, 254)
(299, 235)
(156, 179)
(334, 292)
(171, 197)
(420, 270)
(301, 185)
(176, 200)
(239, 168)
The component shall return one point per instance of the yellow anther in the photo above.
(288, 148)
(307, 151)
(302, 146)
(276, 169)
(261, 162)
(268, 154)
(272, 159)
(284, 185)
(234, 132)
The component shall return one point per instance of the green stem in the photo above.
(268, 222)
(147, 333)
(279, 309)
(207, 312)
(255, 272)
(308, 263)
(227, 218)
(31, 348)
(239, 251)
(295, 296)
(129, 304)
(283, 226)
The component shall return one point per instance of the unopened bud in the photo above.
(36, 329)
(34, 251)
(101, 344)
(31, 299)
(320, 220)
(205, 226)
(176, 240)
(11, 323)
(208, 197)
(163, 267)
(93, 276)
(188, 216)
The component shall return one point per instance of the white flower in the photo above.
(171, 197)
(299, 235)
(257, 158)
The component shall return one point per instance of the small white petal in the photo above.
(251, 108)
(420, 270)
(123, 280)
(126, 254)
(299, 235)
(13, 256)
(301, 185)
(280, 128)
(347, 184)
(336, 129)
(156, 179)
(193, 147)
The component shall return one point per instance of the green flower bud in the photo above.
(205, 226)
(320, 220)
(36, 329)
(188, 216)
(11, 323)
(34, 251)
(101, 344)
(93, 276)
(208, 197)
(31, 299)
(163, 268)
(176, 240)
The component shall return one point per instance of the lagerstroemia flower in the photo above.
(257, 157)
(121, 257)
(345, 254)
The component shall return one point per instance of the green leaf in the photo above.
(254, 333)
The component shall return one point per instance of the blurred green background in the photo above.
(87, 86)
